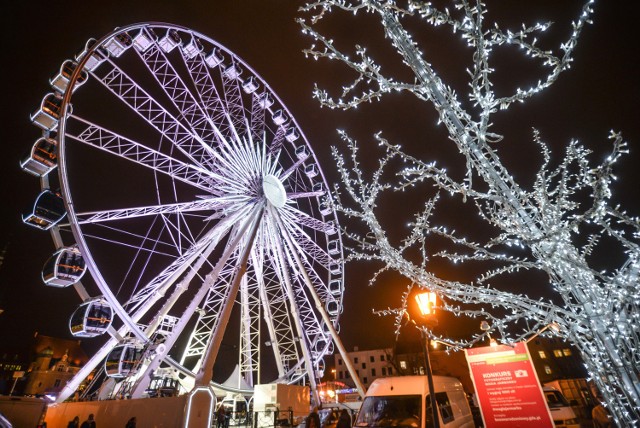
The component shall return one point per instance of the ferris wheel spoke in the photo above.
(295, 216)
(177, 91)
(280, 326)
(225, 110)
(249, 363)
(111, 142)
(143, 104)
(148, 294)
(209, 314)
(209, 204)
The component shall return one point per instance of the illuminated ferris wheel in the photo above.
(189, 193)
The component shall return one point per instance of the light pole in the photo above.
(426, 303)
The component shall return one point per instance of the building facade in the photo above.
(369, 365)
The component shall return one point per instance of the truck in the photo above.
(404, 402)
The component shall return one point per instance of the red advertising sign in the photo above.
(507, 387)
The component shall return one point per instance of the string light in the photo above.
(600, 309)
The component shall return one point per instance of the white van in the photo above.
(561, 412)
(404, 402)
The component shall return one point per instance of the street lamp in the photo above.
(426, 303)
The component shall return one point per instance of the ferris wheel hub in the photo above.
(274, 191)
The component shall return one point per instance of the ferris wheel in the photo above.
(189, 193)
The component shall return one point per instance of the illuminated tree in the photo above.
(555, 225)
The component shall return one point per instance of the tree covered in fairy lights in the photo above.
(555, 225)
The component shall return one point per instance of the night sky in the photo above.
(599, 93)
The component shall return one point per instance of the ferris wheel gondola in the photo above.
(193, 196)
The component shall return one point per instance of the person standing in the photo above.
(344, 421)
(89, 423)
(313, 420)
(74, 423)
(221, 417)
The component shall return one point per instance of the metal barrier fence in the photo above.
(272, 418)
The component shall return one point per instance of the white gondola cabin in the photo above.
(334, 247)
(170, 40)
(291, 135)
(97, 57)
(43, 157)
(47, 211)
(193, 48)
(250, 85)
(117, 44)
(232, 72)
(48, 115)
(61, 80)
(144, 39)
(311, 170)
(214, 59)
(279, 117)
(64, 268)
(333, 308)
(91, 319)
(264, 100)
(302, 153)
(122, 361)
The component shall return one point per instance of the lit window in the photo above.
(566, 352)
(547, 370)
(542, 354)
(403, 364)
(557, 353)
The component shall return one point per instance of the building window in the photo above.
(381, 357)
(355, 360)
(372, 359)
(339, 361)
(56, 383)
(340, 373)
(403, 364)
(547, 370)
(364, 365)
(62, 368)
(373, 372)
(364, 380)
(543, 355)
(390, 371)
(557, 353)
(384, 371)
(566, 352)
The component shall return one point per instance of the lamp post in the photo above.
(426, 303)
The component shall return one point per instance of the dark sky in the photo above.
(600, 93)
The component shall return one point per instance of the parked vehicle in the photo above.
(561, 411)
(404, 402)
